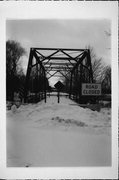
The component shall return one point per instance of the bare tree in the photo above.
(14, 51)
(106, 81)
(97, 65)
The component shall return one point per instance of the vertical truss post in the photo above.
(38, 83)
(28, 74)
(80, 81)
(45, 85)
(74, 85)
(70, 91)
(90, 71)
(36, 94)
(78, 90)
(40, 87)
(76, 82)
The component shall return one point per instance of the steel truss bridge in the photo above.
(72, 64)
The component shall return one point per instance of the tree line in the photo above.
(15, 76)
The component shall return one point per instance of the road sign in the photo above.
(59, 85)
(91, 89)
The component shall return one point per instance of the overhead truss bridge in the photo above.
(44, 63)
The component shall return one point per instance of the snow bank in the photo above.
(52, 134)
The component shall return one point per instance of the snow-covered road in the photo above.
(52, 134)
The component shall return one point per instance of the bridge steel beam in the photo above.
(62, 62)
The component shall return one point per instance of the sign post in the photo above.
(59, 86)
(58, 95)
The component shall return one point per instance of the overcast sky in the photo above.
(62, 34)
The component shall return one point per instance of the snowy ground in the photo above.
(52, 134)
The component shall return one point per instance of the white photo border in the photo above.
(59, 10)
